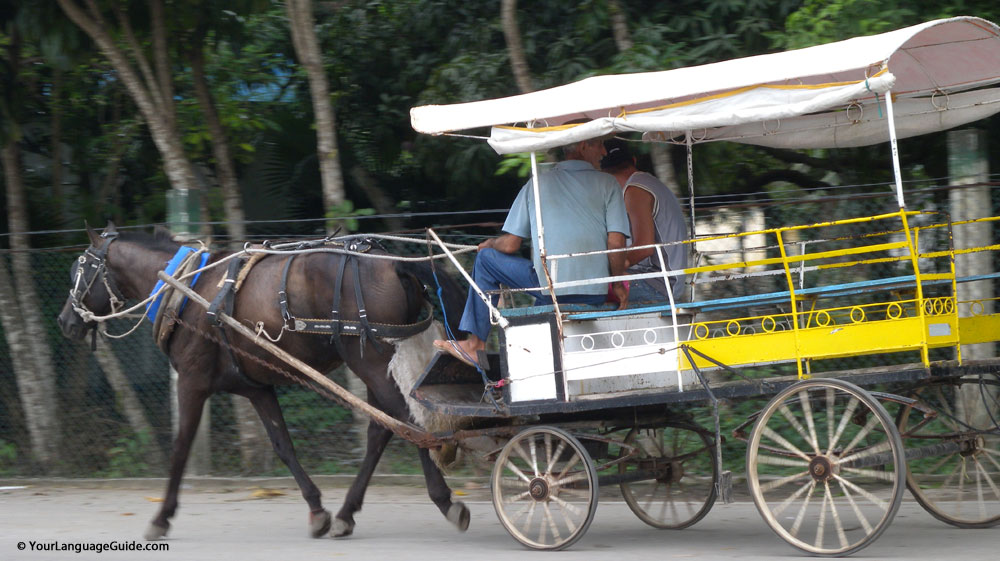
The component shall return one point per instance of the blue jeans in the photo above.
(494, 268)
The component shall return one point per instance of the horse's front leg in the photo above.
(265, 401)
(189, 407)
(456, 512)
(378, 438)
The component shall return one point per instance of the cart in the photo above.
(579, 398)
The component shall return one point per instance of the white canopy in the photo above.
(823, 96)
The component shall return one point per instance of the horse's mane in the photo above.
(159, 240)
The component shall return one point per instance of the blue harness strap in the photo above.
(171, 268)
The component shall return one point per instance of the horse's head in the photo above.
(92, 287)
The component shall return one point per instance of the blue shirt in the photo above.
(580, 205)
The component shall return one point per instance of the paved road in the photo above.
(400, 523)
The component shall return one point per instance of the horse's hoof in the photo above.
(155, 532)
(341, 528)
(458, 515)
(319, 523)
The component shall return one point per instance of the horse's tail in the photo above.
(443, 285)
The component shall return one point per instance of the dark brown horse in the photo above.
(123, 266)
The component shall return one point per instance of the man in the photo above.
(582, 210)
(655, 216)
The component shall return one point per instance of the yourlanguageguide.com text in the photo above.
(98, 547)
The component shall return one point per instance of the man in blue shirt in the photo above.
(582, 210)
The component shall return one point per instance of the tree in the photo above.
(151, 86)
(26, 335)
(301, 24)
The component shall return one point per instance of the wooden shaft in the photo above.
(410, 432)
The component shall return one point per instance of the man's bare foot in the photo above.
(465, 351)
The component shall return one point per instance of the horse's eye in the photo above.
(72, 271)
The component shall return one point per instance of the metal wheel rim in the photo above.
(666, 493)
(563, 476)
(862, 509)
(981, 469)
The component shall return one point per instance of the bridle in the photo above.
(91, 266)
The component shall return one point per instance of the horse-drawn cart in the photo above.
(579, 398)
(597, 397)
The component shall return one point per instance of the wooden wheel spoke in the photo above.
(989, 480)
(864, 493)
(787, 414)
(769, 432)
(517, 471)
(551, 524)
(870, 451)
(570, 507)
(865, 430)
(532, 448)
(807, 411)
(777, 510)
(844, 419)
(821, 526)
(782, 461)
(841, 535)
(794, 530)
(831, 401)
(555, 457)
(570, 465)
(857, 510)
(873, 473)
(772, 485)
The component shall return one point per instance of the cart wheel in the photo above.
(962, 486)
(681, 489)
(545, 488)
(832, 481)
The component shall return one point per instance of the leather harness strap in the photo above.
(337, 327)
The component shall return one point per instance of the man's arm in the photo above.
(639, 205)
(616, 262)
(504, 243)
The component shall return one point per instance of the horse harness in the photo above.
(90, 266)
(336, 326)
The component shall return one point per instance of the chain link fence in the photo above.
(114, 405)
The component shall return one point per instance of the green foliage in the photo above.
(519, 163)
(127, 458)
(8, 457)
(344, 213)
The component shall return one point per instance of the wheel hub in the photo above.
(820, 468)
(539, 489)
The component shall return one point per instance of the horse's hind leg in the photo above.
(265, 401)
(456, 512)
(189, 405)
(378, 438)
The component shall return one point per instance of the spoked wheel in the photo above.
(680, 487)
(960, 485)
(825, 467)
(545, 488)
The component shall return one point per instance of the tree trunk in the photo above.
(56, 145)
(379, 198)
(26, 336)
(300, 21)
(147, 92)
(225, 169)
(619, 26)
(663, 166)
(515, 50)
(127, 401)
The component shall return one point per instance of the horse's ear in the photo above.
(92, 235)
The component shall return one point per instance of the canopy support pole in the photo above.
(693, 251)
(541, 239)
(895, 149)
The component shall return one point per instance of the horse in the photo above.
(120, 266)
